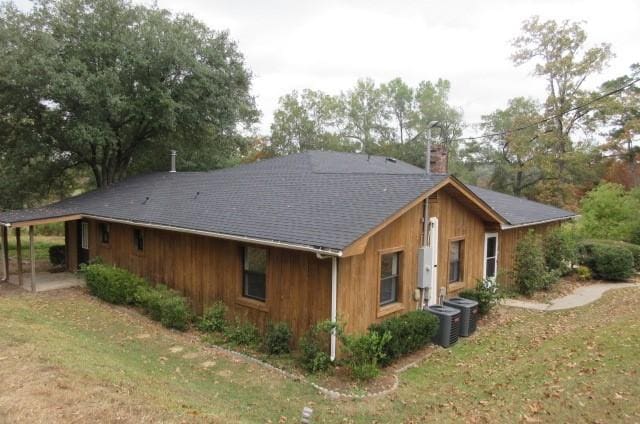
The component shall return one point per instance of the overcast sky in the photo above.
(328, 45)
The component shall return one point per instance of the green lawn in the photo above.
(42, 245)
(64, 353)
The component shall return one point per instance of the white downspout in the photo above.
(334, 304)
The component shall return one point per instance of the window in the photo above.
(456, 257)
(104, 233)
(254, 284)
(84, 228)
(490, 255)
(389, 276)
(138, 239)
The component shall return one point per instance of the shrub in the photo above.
(584, 273)
(213, 318)
(609, 211)
(243, 333)
(560, 250)
(607, 260)
(633, 248)
(277, 338)
(365, 353)
(634, 235)
(530, 270)
(165, 305)
(313, 357)
(487, 294)
(408, 333)
(57, 255)
(112, 284)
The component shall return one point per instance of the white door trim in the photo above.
(433, 243)
(487, 236)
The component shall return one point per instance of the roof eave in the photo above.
(544, 221)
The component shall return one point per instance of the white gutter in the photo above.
(334, 304)
(272, 243)
(546, 221)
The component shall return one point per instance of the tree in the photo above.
(610, 212)
(562, 58)
(518, 157)
(106, 85)
(398, 97)
(620, 114)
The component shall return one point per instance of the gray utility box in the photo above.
(469, 310)
(449, 326)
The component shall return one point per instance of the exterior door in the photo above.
(83, 242)
(490, 255)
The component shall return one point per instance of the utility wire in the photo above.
(557, 115)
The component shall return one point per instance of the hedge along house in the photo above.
(301, 238)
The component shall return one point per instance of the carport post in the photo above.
(32, 258)
(5, 254)
(19, 254)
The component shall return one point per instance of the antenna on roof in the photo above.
(145, 200)
(173, 161)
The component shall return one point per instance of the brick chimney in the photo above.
(439, 159)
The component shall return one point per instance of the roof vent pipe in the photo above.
(173, 161)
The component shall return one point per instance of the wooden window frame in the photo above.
(398, 305)
(460, 282)
(84, 235)
(250, 302)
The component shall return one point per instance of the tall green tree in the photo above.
(111, 86)
(562, 57)
(519, 158)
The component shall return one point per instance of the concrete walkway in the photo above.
(580, 297)
(46, 281)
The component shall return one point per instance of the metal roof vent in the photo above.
(173, 161)
(392, 160)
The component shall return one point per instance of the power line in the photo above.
(557, 115)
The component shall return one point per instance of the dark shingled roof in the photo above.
(322, 200)
(519, 211)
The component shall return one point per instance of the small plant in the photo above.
(111, 284)
(583, 273)
(57, 255)
(313, 357)
(409, 332)
(214, 318)
(560, 250)
(487, 293)
(530, 270)
(365, 353)
(277, 338)
(243, 333)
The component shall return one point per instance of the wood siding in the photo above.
(457, 222)
(507, 241)
(359, 280)
(207, 269)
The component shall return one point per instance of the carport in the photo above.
(29, 220)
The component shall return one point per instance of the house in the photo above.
(301, 238)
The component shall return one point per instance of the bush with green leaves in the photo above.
(165, 305)
(313, 356)
(111, 284)
(583, 273)
(633, 248)
(487, 293)
(530, 269)
(560, 250)
(409, 332)
(242, 333)
(634, 235)
(365, 353)
(277, 338)
(58, 255)
(607, 260)
(610, 212)
(214, 318)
